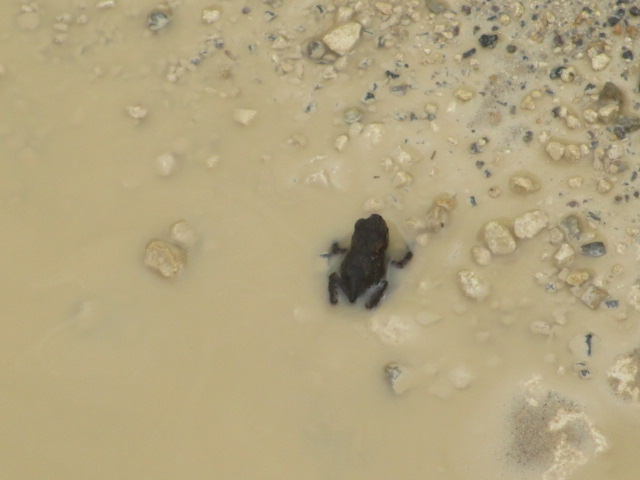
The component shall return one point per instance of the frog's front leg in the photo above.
(402, 263)
(377, 294)
(334, 283)
(336, 249)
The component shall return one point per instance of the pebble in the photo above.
(523, 184)
(571, 226)
(402, 179)
(529, 224)
(555, 150)
(408, 155)
(568, 75)
(564, 255)
(604, 186)
(556, 237)
(211, 14)
(182, 234)
(473, 286)
(488, 41)
(460, 377)
(593, 249)
(577, 278)
(481, 255)
(165, 258)
(436, 218)
(624, 376)
(498, 239)
(244, 116)
(341, 142)
(633, 297)
(572, 153)
(374, 132)
(600, 61)
(590, 115)
(611, 93)
(593, 296)
(166, 164)
(343, 39)
(608, 112)
(316, 49)
(157, 20)
(575, 182)
(464, 93)
(527, 103)
(436, 6)
(352, 115)
(540, 327)
(106, 4)
(137, 111)
(399, 377)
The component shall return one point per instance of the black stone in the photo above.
(488, 41)
(627, 55)
(593, 249)
(612, 21)
(556, 72)
(469, 53)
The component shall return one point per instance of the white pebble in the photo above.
(341, 143)
(402, 179)
(600, 62)
(165, 258)
(137, 111)
(540, 327)
(498, 239)
(244, 116)
(473, 286)
(211, 14)
(555, 150)
(481, 255)
(182, 234)
(529, 224)
(166, 164)
(342, 39)
(564, 255)
(460, 377)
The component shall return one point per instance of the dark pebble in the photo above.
(635, 11)
(612, 21)
(488, 41)
(469, 53)
(593, 249)
(629, 124)
(157, 21)
(511, 49)
(610, 92)
(627, 55)
(556, 72)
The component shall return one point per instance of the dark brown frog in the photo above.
(364, 265)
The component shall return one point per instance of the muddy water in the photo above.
(239, 367)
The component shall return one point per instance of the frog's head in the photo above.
(372, 231)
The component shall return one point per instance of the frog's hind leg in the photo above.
(377, 294)
(402, 263)
(334, 282)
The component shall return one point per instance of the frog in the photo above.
(364, 266)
